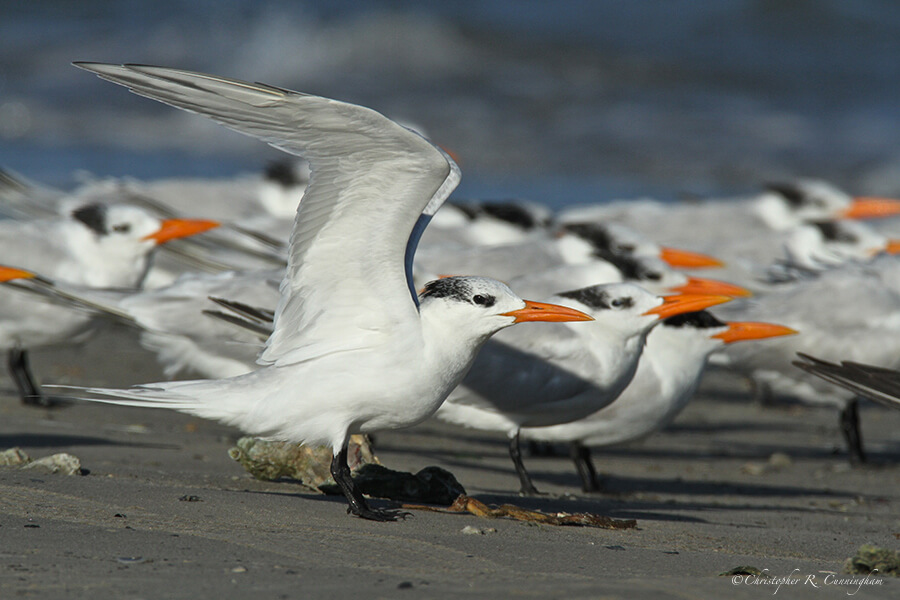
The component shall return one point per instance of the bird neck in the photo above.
(774, 212)
(449, 347)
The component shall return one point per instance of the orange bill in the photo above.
(747, 330)
(10, 273)
(682, 303)
(540, 311)
(892, 247)
(710, 287)
(871, 208)
(688, 260)
(172, 229)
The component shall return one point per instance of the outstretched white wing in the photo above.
(371, 179)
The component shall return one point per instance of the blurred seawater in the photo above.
(562, 102)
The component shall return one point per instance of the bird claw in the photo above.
(42, 401)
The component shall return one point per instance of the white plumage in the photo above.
(353, 349)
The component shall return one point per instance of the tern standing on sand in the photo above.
(353, 349)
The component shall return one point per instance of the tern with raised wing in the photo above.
(354, 349)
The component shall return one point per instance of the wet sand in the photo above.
(707, 496)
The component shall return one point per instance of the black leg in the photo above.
(358, 506)
(29, 390)
(851, 433)
(527, 488)
(761, 392)
(581, 456)
(544, 449)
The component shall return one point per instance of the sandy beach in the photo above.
(164, 512)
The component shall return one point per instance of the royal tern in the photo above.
(822, 245)
(561, 373)
(847, 313)
(617, 239)
(175, 321)
(745, 233)
(274, 193)
(577, 244)
(877, 383)
(252, 242)
(781, 206)
(353, 349)
(96, 246)
(667, 376)
(650, 273)
(486, 223)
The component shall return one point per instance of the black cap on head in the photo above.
(283, 173)
(93, 216)
(700, 319)
(512, 213)
(791, 192)
(834, 232)
(595, 297)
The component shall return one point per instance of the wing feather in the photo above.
(346, 284)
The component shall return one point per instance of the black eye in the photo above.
(624, 302)
(653, 276)
(626, 248)
(483, 300)
(121, 228)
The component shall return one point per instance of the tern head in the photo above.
(519, 214)
(614, 240)
(711, 328)
(696, 335)
(821, 244)
(815, 200)
(283, 184)
(630, 310)
(480, 306)
(115, 241)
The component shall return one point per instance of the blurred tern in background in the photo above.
(96, 246)
(847, 313)
(176, 321)
(745, 233)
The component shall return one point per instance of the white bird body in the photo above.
(486, 224)
(172, 322)
(505, 261)
(284, 403)
(714, 222)
(667, 376)
(549, 375)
